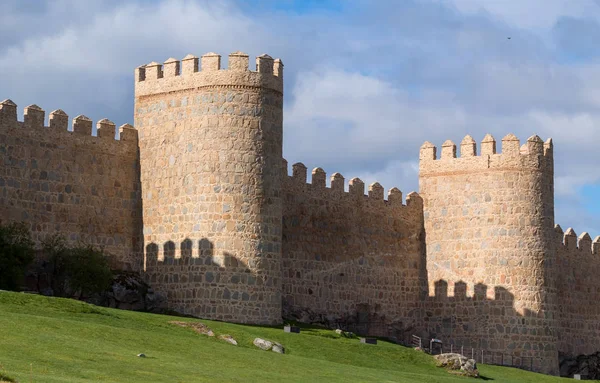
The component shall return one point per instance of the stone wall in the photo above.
(489, 221)
(69, 182)
(577, 270)
(349, 258)
(210, 150)
(485, 320)
(205, 209)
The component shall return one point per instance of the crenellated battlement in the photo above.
(245, 240)
(194, 73)
(569, 241)
(533, 154)
(58, 123)
(58, 177)
(356, 187)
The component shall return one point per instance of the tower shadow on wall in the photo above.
(197, 281)
(206, 257)
(478, 322)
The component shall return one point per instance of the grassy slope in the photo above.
(59, 340)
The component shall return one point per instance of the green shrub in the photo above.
(16, 253)
(88, 270)
(81, 269)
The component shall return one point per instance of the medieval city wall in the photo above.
(351, 258)
(486, 323)
(210, 152)
(69, 182)
(489, 221)
(201, 203)
(577, 267)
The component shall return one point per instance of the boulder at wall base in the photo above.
(128, 291)
(268, 345)
(457, 362)
(588, 365)
(228, 339)
(263, 344)
(278, 348)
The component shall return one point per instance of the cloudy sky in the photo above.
(366, 81)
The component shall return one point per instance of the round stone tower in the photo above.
(489, 222)
(211, 152)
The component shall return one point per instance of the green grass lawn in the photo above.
(61, 340)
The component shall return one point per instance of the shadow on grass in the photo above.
(70, 305)
(6, 379)
(306, 329)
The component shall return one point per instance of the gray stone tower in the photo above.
(211, 152)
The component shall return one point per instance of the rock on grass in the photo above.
(228, 339)
(458, 363)
(267, 345)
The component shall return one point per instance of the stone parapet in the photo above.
(173, 75)
(107, 138)
(61, 179)
(534, 154)
(356, 189)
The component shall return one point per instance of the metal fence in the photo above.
(380, 329)
(416, 341)
(480, 356)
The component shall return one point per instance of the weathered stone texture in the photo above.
(489, 221)
(226, 233)
(345, 253)
(83, 187)
(210, 150)
(577, 269)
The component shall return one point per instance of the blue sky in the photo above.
(366, 82)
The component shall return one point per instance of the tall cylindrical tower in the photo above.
(489, 222)
(211, 152)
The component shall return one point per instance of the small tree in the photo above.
(16, 253)
(88, 270)
(55, 251)
(82, 269)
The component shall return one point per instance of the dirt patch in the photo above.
(199, 327)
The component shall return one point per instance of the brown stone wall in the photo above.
(577, 269)
(351, 258)
(489, 222)
(483, 321)
(210, 149)
(81, 186)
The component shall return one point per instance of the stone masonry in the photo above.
(489, 219)
(210, 153)
(69, 182)
(197, 198)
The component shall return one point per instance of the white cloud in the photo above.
(86, 63)
(363, 90)
(354, 118)
(530, 14)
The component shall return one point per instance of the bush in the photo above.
(16, 253)
(82, 270)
